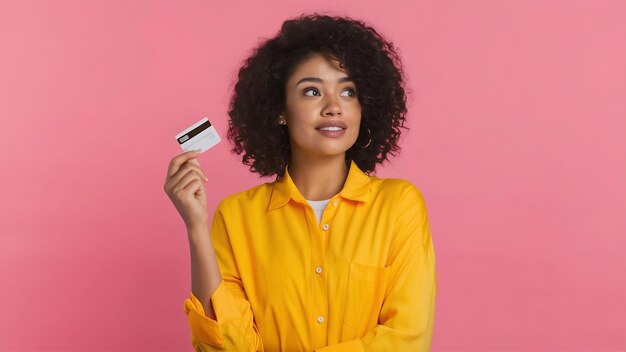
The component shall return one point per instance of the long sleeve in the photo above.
(361, 279)
(407, 315)
(234, 329)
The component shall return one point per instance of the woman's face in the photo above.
(322, 111)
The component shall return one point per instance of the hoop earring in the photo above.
(370, 139)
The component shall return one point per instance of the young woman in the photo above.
(326, 257)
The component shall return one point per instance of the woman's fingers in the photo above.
(188, 178)
(178, 161)
(191, 162)
(187, 169)
(195, 162)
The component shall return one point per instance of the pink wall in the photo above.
(518, 123)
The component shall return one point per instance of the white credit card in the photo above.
(201, 135)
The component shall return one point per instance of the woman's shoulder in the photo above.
(250, 197)
(399, 186)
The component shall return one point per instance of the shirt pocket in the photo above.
(364, 298)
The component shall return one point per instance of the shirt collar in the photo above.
(356, 187)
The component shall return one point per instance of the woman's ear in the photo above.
(281, 119)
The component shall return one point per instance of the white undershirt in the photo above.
(318, 207)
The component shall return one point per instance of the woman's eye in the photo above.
(350, 92)
(311, 92)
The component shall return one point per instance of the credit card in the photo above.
(201, 135)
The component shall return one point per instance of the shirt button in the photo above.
(325, 227)
(318, 270)
(320, 319)
(335, 202)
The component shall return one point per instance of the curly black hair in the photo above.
(259, 95)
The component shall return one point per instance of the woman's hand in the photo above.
(184, 186)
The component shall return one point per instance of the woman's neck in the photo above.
(318, 179)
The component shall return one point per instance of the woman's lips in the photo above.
(332, 133)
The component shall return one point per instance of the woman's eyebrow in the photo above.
(319, 80)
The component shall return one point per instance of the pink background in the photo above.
(518, 144)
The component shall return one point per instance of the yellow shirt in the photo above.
(362, 279)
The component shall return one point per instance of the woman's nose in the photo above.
(331, 108)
